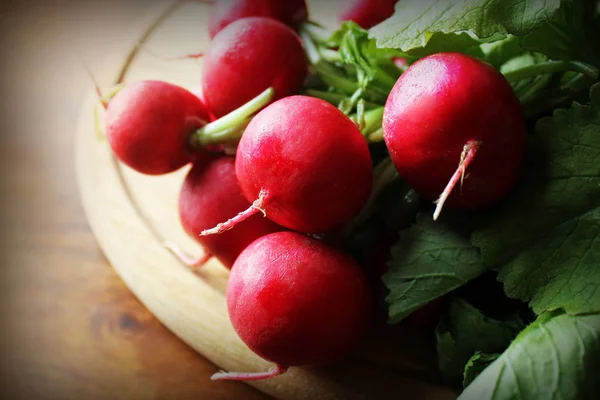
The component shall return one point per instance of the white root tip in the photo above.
(185, 259)
(256, 206)
(249, 376)
(468, 154)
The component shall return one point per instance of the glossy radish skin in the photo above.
(148, 124)
(210, 194)
(295, 301)
(246, 58)
(441, 104)
(224, 12)
(307, 162)
(366, 13)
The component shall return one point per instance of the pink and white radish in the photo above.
(304, 164)
(210, 194)
(455, 131)
(295, 301)
(249, 56)
(366, 13)
(224, 12)
(148, 124)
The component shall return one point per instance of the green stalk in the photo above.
(348, 104)
(529, 91)
(229, 126)
(107, 97)
(360, 114)
(316, 32)
(311, 49)
(329, 74)
(334, 78)
(376, 136)
(337, 79)
(373, 121)
(330, 55)
(383, 79)
(335, 98)
(552, 67)
(226, 135)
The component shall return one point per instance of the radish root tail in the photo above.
(249, 376)
(467, 156)
(257, 206)
(185, 259)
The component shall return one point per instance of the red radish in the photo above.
(304, 164)
(246, 58)
(210, 194)
(295, 301)
(224, 12)
(148, 123)
(452, 119)
(366, 13)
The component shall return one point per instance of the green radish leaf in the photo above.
(544, 240)
(476, 365)
(521, 61)
(499, 52)
(357, 50)
(414, 23)
(572, 34)
(463, 42)
(556, 357)
(430, 260)
(465, 330)
(561, 269)
(357, 69)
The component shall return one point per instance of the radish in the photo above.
(304, 164)
(295, 301)
(451, 118)
(148, 124)
(246, 58)
(224, 12)
(210, 194)
(366, 13)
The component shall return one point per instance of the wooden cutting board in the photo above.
(132, 215)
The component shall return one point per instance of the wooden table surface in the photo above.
(70, 327)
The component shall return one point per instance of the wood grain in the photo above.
(70, 328)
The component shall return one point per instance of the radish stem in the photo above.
(551, 67)
(316, 32)
(230, 125)
(376, 136)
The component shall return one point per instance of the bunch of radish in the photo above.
(280, 175)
